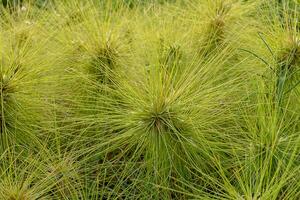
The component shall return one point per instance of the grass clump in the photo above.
(149, 100)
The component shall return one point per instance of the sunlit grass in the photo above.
(158, 99)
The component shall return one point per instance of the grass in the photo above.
(149, 99)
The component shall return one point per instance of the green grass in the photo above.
(158, 99)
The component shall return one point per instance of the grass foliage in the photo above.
(158, 99)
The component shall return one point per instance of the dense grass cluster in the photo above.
(150, 99)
